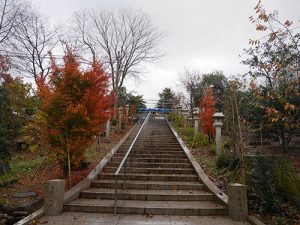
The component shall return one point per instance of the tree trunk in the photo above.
(115, 116)
(242, 162)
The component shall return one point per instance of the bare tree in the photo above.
(124, 40)
(31, 44)
(191, 81)
(85, 40)
(9, 12)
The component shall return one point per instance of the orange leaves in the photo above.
(76, 105)
(208, 108)
(289, 107)
(253, 42)
(253, 85)
(288, 23)
(273, 36)
(260, 27)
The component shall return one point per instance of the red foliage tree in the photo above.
(75, 104)
(208, 108)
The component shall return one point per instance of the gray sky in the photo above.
(202, 34)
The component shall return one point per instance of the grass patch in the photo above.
(95, 153)
(18, 166)
(192, 139)
(210, 165)
(2, 202)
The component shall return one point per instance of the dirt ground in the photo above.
(33, 177)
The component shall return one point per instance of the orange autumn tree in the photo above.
(208, 108)
(75, 104)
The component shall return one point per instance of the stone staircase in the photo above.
(161, 181)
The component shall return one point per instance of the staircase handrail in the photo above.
(124, 162)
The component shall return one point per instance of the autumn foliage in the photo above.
(75, 104)
(208, 108)
(275, 66)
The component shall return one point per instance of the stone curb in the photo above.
(218, 194)
(74, 192)
(254, 220)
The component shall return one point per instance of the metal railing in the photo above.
(124, 160)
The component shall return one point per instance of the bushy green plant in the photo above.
(192, 139)
(286, 179)
(263, 182)
(178, 120)
(4, 143)
(223, 161)
(227, 161)
(213, 147)
(199, 140)
(122, 125)
(114, 122)
(279, 220)
(171, 117)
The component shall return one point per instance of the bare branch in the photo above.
(126, 39)
(31, 43)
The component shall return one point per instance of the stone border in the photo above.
(254, 220)
(74, 192)
(220, 196)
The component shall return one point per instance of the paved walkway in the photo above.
(71, 218)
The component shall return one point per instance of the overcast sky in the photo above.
(204, 34)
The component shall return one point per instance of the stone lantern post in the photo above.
(218, 123)
(107, 128)
(196, 119)
(120, 110)
(126, 113)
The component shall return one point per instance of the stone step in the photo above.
(158, 137)
(154, 147)
(149, 185)
(144, 152)
(150, 170)
(153, 160)
(156, 177)
(153, 151)
(187, 208)
(154, 165)
(151, 156)
(149, 195)
(158, 144)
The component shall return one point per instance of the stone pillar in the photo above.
(126, 113)
(237, 202)
(218, 123)
(54, 199)
(107, 128)
(120, 111)
(196, 119)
